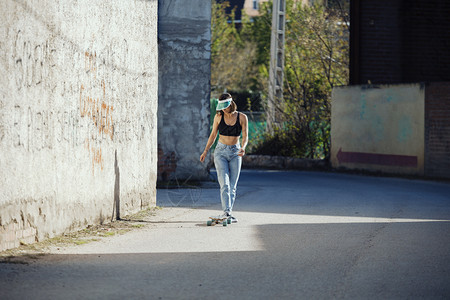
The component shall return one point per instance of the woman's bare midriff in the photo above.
(228, 140)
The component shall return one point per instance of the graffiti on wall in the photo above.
(42, 118)
(32, 61)
(38, 130)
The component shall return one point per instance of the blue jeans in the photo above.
(228, 167)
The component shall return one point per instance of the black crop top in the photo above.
(228, 130)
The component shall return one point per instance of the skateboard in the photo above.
(216, 220)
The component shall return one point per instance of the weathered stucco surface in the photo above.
(78, 114)
(379, 128)
(184, 35)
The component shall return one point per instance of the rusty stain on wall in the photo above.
(95, 108)
(90, 61)
(96, 154)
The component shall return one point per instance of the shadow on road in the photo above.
(369, 261)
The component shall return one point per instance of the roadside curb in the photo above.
(283, 163)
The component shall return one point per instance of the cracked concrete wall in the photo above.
(78, 114)
(184, 36)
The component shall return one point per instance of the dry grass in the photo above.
(26, 253)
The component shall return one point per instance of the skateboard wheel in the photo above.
(209, 223)
(229, 221)
(225, 223)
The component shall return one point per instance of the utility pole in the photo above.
(275, 97)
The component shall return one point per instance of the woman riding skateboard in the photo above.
(229, 124)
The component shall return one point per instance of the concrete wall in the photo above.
(78, 104)
(184, 36)
(379, 128)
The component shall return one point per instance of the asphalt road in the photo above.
(301, 235)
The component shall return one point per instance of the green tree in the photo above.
(232, 58)
(316, 60)
(257, 30)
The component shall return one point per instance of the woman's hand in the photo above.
(203, 156)
(241, 152)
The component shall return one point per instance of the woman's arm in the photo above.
(212, 137)
(244, 142)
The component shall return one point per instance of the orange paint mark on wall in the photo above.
(93, 106)
(97, 158)
(96, 154)
(98, 111)
(90, 63)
